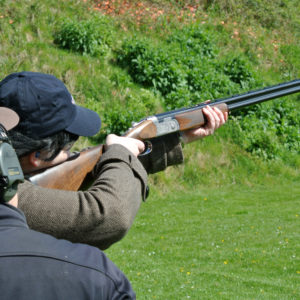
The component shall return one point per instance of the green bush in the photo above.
(238, 71)
(182, 97)
(193, 42)
(118, 120)
(211, 81)
(201, 86)
(151, 67)
(268, 130)
(184, 68)
(85, 37)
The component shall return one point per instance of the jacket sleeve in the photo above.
(99, 216)
(166, 151)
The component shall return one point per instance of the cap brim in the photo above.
(8, 118)
(85, 123)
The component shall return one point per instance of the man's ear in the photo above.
(34, 159)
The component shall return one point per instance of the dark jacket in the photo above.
(38, 266)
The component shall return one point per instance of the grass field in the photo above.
(231, 242)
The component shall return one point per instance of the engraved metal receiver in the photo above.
(152, 127)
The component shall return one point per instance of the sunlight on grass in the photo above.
(214, 243)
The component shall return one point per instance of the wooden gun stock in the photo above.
(71, 174)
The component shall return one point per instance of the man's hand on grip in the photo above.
(133, 145)
(215, 119)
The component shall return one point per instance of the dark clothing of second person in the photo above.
(36, 266)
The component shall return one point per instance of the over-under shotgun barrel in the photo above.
(245, 99)
(265, 94)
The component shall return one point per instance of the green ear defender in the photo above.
(11, 173)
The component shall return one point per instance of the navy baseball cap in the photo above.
(45, 106)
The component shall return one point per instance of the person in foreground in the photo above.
(36, 266)
(50, 123)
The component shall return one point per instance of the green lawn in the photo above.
(233, 242)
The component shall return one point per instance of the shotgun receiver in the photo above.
(71, 174)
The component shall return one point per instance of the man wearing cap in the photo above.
(50, 122)
(34, 265)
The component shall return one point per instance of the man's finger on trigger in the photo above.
(141, 146)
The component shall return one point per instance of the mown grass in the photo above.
(225, 225)
(230, 242)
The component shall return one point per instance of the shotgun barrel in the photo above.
(245, 99)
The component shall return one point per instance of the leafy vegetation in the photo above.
(269, 131)
(85, 37)
(184, 64)
(118, 120)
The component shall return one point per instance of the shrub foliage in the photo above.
(85, 37)
(118, 120)
(268, 130)
(186, 70)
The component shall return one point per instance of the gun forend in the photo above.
(195, 118)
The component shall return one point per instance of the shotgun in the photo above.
(72, 174)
